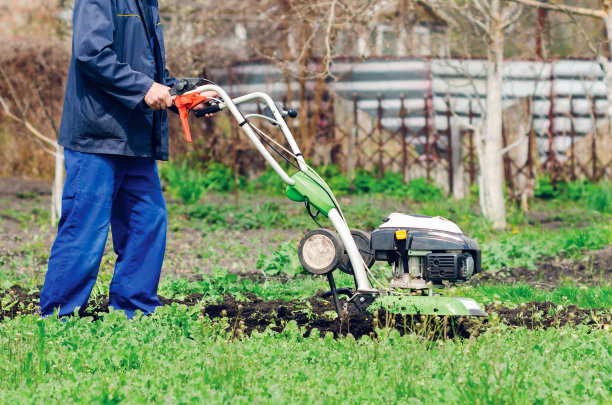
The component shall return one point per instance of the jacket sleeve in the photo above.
(169, 80)
(94, 55)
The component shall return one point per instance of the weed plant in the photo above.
(592, 196)
(189, 183)
(179, 356)
(524, 244)
(527, 245)
(283, 261)
(215, 285)
(183, 182)
(35, 215)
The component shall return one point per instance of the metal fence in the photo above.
(425, 132)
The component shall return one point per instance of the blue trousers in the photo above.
(101, 190)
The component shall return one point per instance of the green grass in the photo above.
(529, 244)
(24, 266)
(515, 294)
(220, 282)
(34, 216)
(177, 357)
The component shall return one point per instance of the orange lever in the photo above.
(185, 103)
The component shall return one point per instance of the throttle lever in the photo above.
(185, 103)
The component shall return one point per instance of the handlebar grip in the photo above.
(208, 110)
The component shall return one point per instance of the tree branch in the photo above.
(328, 57)
(514, 145)
(26, 123)
(512, 16)
(483, 7)
(587, 12)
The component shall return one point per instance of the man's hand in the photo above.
(201, 106)
(158, 97)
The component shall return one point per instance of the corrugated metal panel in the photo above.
(576, 84)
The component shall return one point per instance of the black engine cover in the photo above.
(445, 266)
(384, 245)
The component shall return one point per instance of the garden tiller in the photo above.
(426, 253)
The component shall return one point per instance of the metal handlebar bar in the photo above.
(335, 216)
(229, 103)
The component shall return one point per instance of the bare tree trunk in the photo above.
(58, 186)
(490, 18)
(491, 172)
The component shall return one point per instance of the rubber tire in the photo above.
(337, 254)
(362, 240)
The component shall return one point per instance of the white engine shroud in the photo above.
(397, 220)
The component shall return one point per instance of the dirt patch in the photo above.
(594, 269)
(255, 314)
(19, 186)
(191, 252)
(536, 314)
(24, 215)
(545, 220)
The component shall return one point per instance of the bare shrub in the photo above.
(37, 75)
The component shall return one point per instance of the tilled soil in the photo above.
(256, 314)
(595, 269)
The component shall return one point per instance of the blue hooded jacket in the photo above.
(111, 69)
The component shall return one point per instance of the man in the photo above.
(114, 126)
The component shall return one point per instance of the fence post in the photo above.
(427, 129)
(451, 143)
(336, 148)
(381, 144)
(551, 128)
(506, 159)
(457, 163)
(471, 140)
(403, 134)
(572, 142)
(595, 176)
(58, 185)
(532, 140)
(351, 151)
(233, 146)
